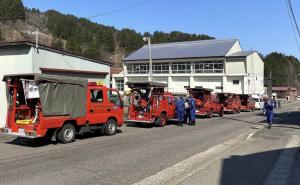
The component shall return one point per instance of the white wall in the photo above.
(209, 82)
(235, 48)
(234, 88)
(12, 61)
(48, 59)
(235, 66)
(255, 65)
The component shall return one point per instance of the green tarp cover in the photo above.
(62, 95)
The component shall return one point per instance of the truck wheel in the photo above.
(66, 134)
(111, 127)
(161, 121)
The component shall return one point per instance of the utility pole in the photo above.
(150, 57)
(36, 33)
(269, 87)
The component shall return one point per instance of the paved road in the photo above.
(131, 155)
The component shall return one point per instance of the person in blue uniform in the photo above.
(192, 114)
(180, 111)
(268, 106)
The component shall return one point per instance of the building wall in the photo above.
(48, 59)
(235, 66)
(12, 61)
(235, 48)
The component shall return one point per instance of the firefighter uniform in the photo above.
(180, 111)
(192, 111)
(269, 112)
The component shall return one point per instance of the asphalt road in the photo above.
(136, 153)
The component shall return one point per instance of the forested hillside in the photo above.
(285, 69)
(77, 35)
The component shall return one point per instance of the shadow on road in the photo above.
(249, 169)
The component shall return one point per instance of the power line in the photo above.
(293, 21)
(119, 10)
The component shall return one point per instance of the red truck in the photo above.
(247, 103)
(231, 102)
(207, 103)
(150, 103)
(60, 107)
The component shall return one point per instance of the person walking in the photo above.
(187, 119)
(268, 106)
(279, 104)
(192, 115)
(180, 111)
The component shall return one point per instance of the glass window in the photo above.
(137, 68)
(208, 66)
(96, 96)
(114, 98)
(181, 67)
(120, 85)
(236, 82)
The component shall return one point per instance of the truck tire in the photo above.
(161, 121)
(66, 134)
(110, 127)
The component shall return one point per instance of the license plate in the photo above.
(21, 130)
(140, 116)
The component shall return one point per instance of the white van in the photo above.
(259, 104)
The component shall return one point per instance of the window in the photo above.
(208, 66)
(160, 68)
(96, 96)
(120, 85)
(236, 82)
(181, 67)
(137, 68)
(114, 98)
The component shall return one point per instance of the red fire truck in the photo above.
(207, 103)
(60, 107)
(247, 103)
(231, 102)
(150, 103)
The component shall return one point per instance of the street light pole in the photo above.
(150, 57)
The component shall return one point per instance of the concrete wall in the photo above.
(12, 61)
(235, 66)
(235, 48)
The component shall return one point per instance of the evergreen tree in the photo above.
(11, 10)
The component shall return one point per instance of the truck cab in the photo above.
(150, 103)
(207, 103)
(60, 107)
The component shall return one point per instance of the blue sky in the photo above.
(262, 25)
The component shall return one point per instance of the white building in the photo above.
(24, 57)
(217, 64)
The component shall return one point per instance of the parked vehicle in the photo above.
(231, 102)
(247, 103)
(60, 107)
(207, 103)
(259, 104)
(150, 103)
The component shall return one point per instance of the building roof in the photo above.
(41, 46)
(190, 49)
(241, 54)
(284, 88)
